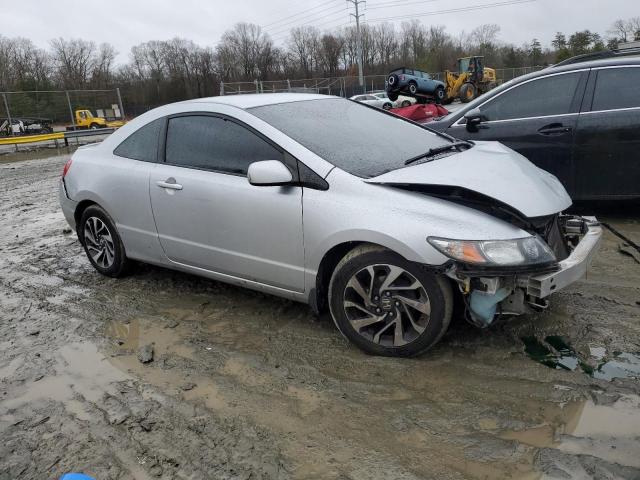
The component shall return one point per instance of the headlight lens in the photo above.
(519, 251)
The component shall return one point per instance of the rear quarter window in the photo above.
(617, 88)
(142, 144)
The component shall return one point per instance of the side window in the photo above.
(617, 88)
(213, 143)
(142, 144)
(551, 95)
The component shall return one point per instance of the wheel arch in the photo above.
(333, 255)
(77, 214)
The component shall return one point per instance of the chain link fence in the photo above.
(346, 86)
(33, 112)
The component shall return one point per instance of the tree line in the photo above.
(158, 72)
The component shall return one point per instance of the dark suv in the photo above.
(579, 121)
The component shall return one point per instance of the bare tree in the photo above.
(243, 47)
(304, 43)
(386, 44)
(329, 53)
(74, 60)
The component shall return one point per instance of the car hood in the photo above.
(492, 170)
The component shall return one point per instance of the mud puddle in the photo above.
(555, 352)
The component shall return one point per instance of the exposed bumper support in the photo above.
(572, 268)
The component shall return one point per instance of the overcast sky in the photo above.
(127, 23)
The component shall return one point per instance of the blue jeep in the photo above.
(415, 83)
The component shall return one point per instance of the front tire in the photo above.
(387, 305)
(387, 106)
(467, 92)
(406, 103)
(413, 88)
(440, 95)
(102, 243)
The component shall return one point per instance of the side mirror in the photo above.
(269, 173)
(474, 118)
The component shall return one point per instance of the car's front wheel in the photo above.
(387, 106)
(387, 305)
(102, 243)
(413, 88)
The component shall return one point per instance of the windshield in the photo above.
(358, 139)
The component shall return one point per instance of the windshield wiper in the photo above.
(432, 152)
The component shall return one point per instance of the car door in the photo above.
(372, 100)
(608, 135)
(537, 118)
(207, 214)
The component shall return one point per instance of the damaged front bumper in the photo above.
(519, 292)
(572, 268)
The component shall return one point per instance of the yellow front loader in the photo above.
(471, 80)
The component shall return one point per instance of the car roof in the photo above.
(603, 62)
(406, 68)
(251, 100)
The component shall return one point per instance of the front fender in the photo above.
(427, 254)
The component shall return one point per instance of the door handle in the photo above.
(169, 183)
(554, 129)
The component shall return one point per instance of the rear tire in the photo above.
(467, 92)
(102, 243)
(387, 305)
(406, 103)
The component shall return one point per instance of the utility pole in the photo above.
(357, 15)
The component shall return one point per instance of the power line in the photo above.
(283, 28)
(451, 10)
(296, 14)
(396, 4)
(285, 34)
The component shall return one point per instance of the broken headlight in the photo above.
(519, 251)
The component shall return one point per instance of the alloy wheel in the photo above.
(99, 242)
(387, 305)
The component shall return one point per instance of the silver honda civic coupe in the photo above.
(322, 200)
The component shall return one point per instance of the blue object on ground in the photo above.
(76, 476)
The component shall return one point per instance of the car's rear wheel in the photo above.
(387, 305)
(102, 243)
(406, 103)
(413, 88)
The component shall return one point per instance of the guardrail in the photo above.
(22, 139)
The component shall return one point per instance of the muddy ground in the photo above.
(244, 385)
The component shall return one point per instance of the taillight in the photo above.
(66, 168)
